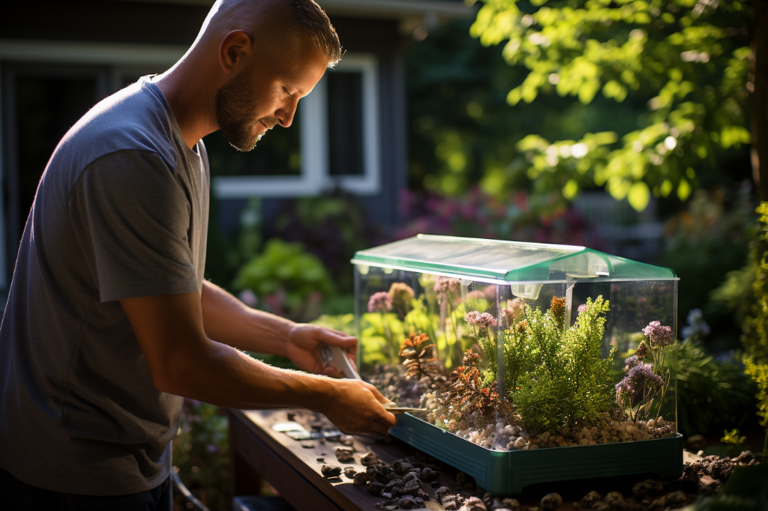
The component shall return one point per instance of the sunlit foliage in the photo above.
(690, 57)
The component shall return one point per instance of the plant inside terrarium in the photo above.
(556, 388)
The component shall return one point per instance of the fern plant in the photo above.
(557, 377)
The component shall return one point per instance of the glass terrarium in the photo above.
(530, 362)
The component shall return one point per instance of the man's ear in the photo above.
(233, 49)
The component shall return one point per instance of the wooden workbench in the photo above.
(292, 467)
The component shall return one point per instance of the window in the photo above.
(334, 141)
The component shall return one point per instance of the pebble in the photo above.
(308, 444)
(473, 504)
(401, 466)
(374, 488)
(614, 499)
(512, 504)
(329, 471)
(369, 459)
(346, 440)
(590, 498)
(350, 472)
(600, 506)
(345, 454)
(660, 503)
(361, 478)
(551, 501)
(427, 474)
(676, 498)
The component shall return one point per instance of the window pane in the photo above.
(46, 107)
(278, 153)
(345, 123)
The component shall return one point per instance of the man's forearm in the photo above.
(227, 320)
(222, 375)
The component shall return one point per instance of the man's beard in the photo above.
(235, 111)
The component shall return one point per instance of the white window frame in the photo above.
(314, 178)
(315, 156)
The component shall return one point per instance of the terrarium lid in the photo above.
(509, 261)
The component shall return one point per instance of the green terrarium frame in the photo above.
(519, 384)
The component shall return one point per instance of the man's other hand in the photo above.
(303, 347)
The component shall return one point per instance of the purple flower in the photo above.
(631, 362)
(624, 387)
(582, 308)
(212, 448)
(483, 320)
(658, 336)
(380, 302)
(643, 373)
(446, 285)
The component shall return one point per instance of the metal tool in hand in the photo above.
(335, 357)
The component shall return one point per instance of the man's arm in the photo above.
(184, 361)
(227, 320)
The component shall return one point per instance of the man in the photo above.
(109, 320)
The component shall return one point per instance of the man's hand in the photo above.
(355, 407)
(303, 345)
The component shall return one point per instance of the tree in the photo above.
(691, 59)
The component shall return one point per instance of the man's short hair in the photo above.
(311, 17)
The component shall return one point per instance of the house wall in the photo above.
(102, 21)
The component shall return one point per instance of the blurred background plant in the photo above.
(201, 455)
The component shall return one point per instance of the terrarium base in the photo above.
(508, 472)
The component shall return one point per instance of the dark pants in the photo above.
(16, 495)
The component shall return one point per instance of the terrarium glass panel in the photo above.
(520, 346)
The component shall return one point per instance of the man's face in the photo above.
(266, 93)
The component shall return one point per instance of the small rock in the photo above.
(401, 466)
(434, 484)
(473, 504)
(345, 454)
(576, 505)
(590, 498)
(676, 498)
(641, 490)
(350, 472)
(321, 460)
(427, 474)
(346, 440)
(386, 495)
(329, 471)
(441, 493)
(660, 503)
(551, 501)
(369, 459)
(308, 444)
(615, 499)
(600, 506)
(374, 488)
(407, 503)
(361, 478)
(512, 504)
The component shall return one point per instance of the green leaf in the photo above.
(639, 195)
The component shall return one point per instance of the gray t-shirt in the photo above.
(121, 211)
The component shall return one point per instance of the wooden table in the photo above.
(257, 451)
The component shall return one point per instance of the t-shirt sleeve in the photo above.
(132, 217)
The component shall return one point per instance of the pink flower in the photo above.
(582, 308)
(380, 302)
(658, 335)
(446, 285)
(483, 320)
(515, 310)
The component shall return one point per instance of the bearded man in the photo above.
(109, 320)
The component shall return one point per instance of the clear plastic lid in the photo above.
(507, 261)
